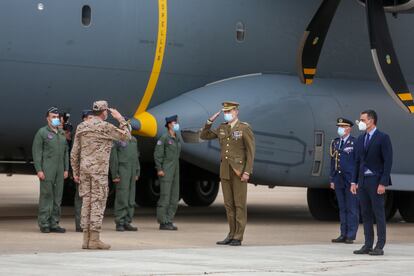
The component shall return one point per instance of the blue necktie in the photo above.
(366, 141)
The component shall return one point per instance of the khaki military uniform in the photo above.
(237, 156)
(50, 155)
(90, 161)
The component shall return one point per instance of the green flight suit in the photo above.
(124, 164)
(167, 159)
(50, 155)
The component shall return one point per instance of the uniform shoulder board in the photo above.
(244, 123)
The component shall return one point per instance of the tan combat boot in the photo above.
(86, 236)
(95, 243)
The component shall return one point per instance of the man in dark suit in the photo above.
(371, 175)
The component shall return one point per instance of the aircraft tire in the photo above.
(322, 204)
(147, 191)
(200, 192)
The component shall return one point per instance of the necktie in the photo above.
(366, 140)
(341, 144)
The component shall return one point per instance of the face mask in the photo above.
(228, 117)
(362, 126)
(176, 127)
(341, 131)
(55, 122)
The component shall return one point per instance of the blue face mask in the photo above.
(55, 122)
(341, 131)
(228, 117)
(176, 127)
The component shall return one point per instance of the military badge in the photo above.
(348, 149)
(159, 143)
(50, 136)
(237, 134)
(170, 142)
(123, 144)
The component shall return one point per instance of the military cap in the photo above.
(53, 110)
(170, 119)
(344, 122)
(100, 106)
(227, 106)
(86, 113)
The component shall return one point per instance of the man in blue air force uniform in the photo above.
(342, 166)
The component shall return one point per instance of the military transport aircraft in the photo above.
(154, 58)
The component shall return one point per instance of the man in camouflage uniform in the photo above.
(86, 115)
(125, 170)
(90, 164)
(51, 161)
(167, 162)
(237, 155)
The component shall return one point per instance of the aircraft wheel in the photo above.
(322, 204)
(148, 191)
(200, 192)
(406, 205)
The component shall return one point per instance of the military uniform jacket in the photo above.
(167, 154)
(342, 159)
(126, 154)
(92, 146)
(237, 147)
(50, 152)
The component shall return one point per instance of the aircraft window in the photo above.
(86, 15)
(240, 31)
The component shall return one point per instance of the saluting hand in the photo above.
(115, 113)
(214, 117)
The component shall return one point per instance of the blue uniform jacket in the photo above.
(377, 157)
(345, 164)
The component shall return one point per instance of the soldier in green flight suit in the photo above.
(125, 171)
(167, 162)
(51, 161)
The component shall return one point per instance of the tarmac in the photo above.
(281, 239)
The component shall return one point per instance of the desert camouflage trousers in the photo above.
(93, 189)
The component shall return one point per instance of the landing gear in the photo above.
(198, 187)
(406, 205)
(322, 204)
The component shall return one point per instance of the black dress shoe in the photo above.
(167, 226)
(57, 229)
(339, 239)
(45, 229)
(363, 250)
(376, 252)
(235, 243)
(349, 241)
(120, 228)
(173, 225)
(129, 227)
(226, 241)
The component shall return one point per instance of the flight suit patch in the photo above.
(159, 143)
(170, 142)
(122, 144)
(50, 136)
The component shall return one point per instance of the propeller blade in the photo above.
(385, 59)
(312, 40)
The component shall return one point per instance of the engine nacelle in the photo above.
(393, 6)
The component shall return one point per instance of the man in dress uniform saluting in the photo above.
(342, 166)
(51, 161)
(237, 155)
(371, 176)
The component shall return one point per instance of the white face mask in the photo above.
(228, 117)
(362, 126)
(341, 131)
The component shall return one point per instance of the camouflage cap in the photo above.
(100, 106)
(227, 106)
